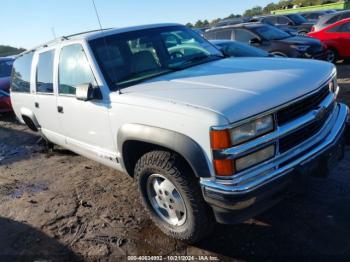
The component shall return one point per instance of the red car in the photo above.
(5, 73)
(337, 39)
(5, 102)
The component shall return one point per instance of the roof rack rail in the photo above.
(86, 32)
(59, 39)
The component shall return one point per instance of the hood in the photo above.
(237, 88)
(301, 40)
(5, 83)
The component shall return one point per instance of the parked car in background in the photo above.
(237, 49)
(270, 39)
(293, 21)
(313, 16)
(337, 39)
(230, 21)
(5, 102)
(5, 73)
(206, 138)
(329, 19)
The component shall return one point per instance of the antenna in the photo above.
(53, 32)
(97, 15)
(101, 29)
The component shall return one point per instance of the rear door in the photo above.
(45, 91)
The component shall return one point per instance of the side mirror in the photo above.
(85, 92)
(290, 23)
(255, 41)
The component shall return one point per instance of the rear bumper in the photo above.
(235, 203)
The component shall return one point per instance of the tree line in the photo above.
(259, 10)
(9, 50)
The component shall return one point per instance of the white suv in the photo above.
(206, 137)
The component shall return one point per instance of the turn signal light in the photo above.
(224, 167)
(220, 139)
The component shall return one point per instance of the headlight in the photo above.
(301, 48)
(255, 158)
(333, 85)
(252, 130)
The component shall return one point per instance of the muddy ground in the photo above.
(60, 206)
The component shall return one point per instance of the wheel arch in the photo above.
(29, 119)
(134, 140)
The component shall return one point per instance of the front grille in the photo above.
(302, 107)
(301, 135)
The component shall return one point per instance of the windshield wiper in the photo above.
(193, 61)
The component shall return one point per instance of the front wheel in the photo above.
(172, 196)
(331, 55)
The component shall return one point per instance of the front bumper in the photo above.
(234, 203)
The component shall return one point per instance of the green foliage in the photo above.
(258, 10)
(9, 50)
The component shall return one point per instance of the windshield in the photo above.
(129, 58)
(270, 32)
(237, 49)
(5, 68)
(298, 19)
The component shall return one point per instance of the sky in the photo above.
(27, 23)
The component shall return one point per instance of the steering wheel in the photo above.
(176, 54)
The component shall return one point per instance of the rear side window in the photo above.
(345, 15)
(244, 36)
(283, 20)
(44, 73)
(344, 28)
(224, 34)
(21, 74)
(333, 19)
(74, 69)
(209, 35)
(272, 19)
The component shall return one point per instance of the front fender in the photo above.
(177, 142)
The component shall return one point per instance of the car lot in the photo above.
(57, 204)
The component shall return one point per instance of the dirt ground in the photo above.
(60, 206)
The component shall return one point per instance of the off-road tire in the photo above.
(199, 218)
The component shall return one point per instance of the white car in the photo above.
(207, 138)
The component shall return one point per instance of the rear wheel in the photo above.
(172, 196)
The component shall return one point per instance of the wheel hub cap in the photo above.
(166, 200)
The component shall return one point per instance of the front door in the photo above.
(85, 123)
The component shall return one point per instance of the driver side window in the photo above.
(74, 69)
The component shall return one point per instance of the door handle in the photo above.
(60, 109)
(36, 105)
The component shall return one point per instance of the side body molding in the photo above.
(174, 141)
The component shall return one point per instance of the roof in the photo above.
(98, 33)
(247, 25)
